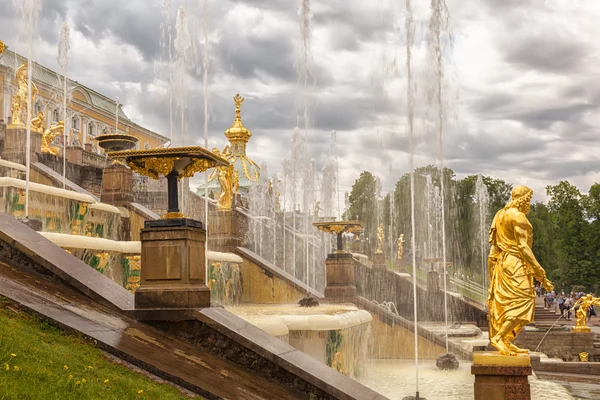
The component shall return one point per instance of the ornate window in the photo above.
(91, 127)
(75, 123)
(55, 115)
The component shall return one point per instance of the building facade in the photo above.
(89, 113)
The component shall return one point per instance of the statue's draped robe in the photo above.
(511, 278)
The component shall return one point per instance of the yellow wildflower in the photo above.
(70, 376)
(65, 367)
(13, 355)
(90, 367)
(140, 391)
(16, 368)
(82, 380)
(77, 383)
(6, 367)
(106, 381)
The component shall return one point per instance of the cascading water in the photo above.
(63, 61)
(482, 198)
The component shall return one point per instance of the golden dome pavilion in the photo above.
(238, 136)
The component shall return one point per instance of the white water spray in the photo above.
(63, 61)
(409, 26)
(205, 65)
(438, 21)
(29, 10)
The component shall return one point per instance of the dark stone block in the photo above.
(501, 382)
(34, 224)
(173, 222)
(447, 361)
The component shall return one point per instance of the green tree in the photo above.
(362, 205)
(573, 267)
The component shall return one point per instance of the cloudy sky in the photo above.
(520, 89)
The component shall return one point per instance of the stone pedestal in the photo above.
(173, 274)
(225, 231)
(400, 264)
(581, 329)
(379, 261)
(117, 185)
(499, 377)
(341, 282)
(14, 145)
(433, 281)
(74, 155)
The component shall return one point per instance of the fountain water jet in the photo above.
(63, 61)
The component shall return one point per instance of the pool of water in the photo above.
(395, 379)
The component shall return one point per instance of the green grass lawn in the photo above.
(39, 361)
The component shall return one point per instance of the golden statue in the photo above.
(2, 47)
(18, 108)
(277, 201)
(49, 135)
(401, 246)
(236, 182)
(380, 238)
(584, 303)
(37, 122)
(225, 176)
(270, 188)
(584, 356)
(512, 267)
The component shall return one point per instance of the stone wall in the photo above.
(563, 345)
(385, 285)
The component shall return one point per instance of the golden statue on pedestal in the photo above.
(225, 176)
(401, 246)
(18, 107)
(512, 267)
(380, 237)
(583, 305)
(48, 138)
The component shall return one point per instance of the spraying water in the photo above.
(183, 49)
(483, 203)
(205, 65)
(165, 42)
(63, 61)
(437, 22)
(305, 17)
(409, 26)
(29, 10)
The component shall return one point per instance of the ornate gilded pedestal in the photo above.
(341, 283)
(173, 274)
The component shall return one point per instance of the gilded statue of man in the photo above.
(512, 267)
(401, 246)
(582, 305)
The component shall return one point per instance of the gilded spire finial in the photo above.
(1, 47)
(238, 106)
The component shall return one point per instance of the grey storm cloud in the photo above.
(538, 91)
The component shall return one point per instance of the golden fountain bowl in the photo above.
(116, 141)
(335, 227)
(183, 162)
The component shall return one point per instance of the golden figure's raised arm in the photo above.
(523, 240)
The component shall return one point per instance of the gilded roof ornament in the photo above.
(2, 47)
(238, 132)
